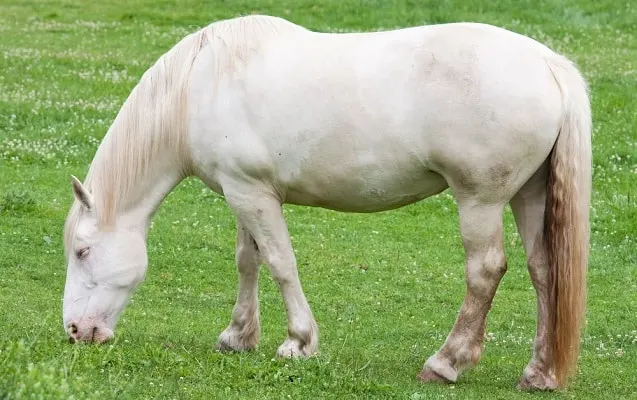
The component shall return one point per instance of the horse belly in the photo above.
(364, 194)
(337, 176)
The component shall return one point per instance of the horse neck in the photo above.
(139, 208)
(129, 192)
(145, 154)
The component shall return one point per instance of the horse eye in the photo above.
(82, 253)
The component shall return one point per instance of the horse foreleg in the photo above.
(263, 218)
(481, 230)
(244, 329)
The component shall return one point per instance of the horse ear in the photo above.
(81, 194)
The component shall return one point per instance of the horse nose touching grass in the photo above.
(88, 333)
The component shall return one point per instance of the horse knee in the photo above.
(282, 267)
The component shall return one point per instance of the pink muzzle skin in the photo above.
(88, 330)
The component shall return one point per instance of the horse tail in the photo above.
(567, 229)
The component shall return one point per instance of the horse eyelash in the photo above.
(82, 253)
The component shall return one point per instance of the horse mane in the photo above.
(152, 122)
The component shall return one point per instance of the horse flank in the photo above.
(152, 123)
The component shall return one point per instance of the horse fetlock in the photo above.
(305, 331)
(245, 318)
(302, 340)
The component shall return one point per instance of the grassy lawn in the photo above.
(385, 288)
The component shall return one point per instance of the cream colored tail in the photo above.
(567, 229)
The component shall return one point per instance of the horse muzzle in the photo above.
(88, 331)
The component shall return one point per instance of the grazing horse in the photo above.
(266, 112)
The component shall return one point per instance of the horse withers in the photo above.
(266, 112)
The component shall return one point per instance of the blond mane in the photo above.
(153, 121)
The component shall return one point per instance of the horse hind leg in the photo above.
(528, 209)
(481, 230)
(244, 329)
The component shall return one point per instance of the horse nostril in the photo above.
(72, 329)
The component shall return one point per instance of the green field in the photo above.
(385, 288)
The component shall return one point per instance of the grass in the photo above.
(385, 288)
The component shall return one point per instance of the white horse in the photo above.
(266, 112)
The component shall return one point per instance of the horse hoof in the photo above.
(292, 348)
(428, 376)
(229, 342)
(225, 347)
(537, 381)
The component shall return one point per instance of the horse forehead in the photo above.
(85, 228)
